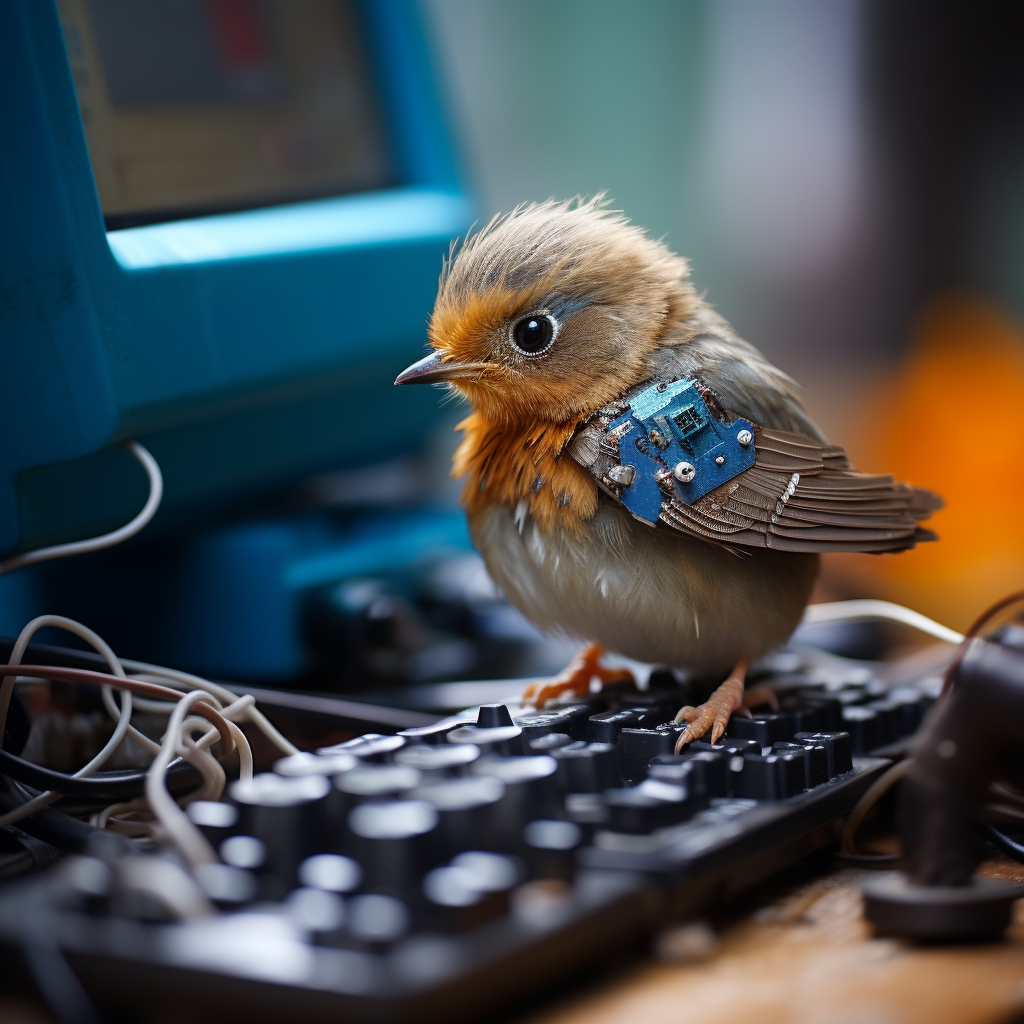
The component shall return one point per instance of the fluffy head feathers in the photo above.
(611, 289)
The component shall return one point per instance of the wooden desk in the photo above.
(802, 954)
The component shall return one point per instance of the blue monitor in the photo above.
(222, 224)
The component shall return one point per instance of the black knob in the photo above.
(289, 816)
(467, 812)
(391, 840)
(531, 789)
(493, 716)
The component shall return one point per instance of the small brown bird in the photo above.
(637, 474)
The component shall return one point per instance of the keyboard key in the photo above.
(636, 749)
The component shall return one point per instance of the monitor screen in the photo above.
(201, 106)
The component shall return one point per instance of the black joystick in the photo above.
(977, 738)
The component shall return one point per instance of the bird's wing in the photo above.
(799, 494)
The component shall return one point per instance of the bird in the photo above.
(638, 476)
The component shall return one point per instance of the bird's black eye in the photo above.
(535, 333)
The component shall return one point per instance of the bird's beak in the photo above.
(433, 370)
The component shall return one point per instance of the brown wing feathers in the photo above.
(804, 496)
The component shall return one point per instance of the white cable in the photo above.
(865, 611)
(184, 680)
(106, 540)
(122, 716)
(191, 843)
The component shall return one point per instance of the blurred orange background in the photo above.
(948, 419)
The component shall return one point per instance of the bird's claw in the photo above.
(713, 714)
(576, 677)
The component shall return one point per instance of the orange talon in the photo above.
(575, 677)
(714, 713)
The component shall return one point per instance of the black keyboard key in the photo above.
(763, 729)
(550, 848)
(862, 725)
(605, 727)
(636, 749)
(838, 748)
(531, 790)
(890, 719)
(369, 747)
(435, 760)
(702, 775)
(543, 723)
(587, 767)
(771, 776)
(453, 902)
(815, 760)
(436, 733)
(505, 740)
(548, 742)
(829, 711)
(728, 745)
(649, 806)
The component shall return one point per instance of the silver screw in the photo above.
(624, 475)
(720, 461)
(684, 472)
(744, 437)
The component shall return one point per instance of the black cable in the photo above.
(1003, 842)
(109, 786)
(59, 829)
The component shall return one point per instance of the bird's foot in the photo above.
(576, 677)
(714, 713)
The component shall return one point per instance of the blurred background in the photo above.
(269, 188)
(847, 179)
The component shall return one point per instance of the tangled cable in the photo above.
(200, 714)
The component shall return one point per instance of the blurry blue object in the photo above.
(244, 349)
(233, 603)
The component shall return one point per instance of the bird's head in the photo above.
(549, 313)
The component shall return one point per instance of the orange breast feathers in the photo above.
(509, 464)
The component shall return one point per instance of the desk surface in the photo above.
(802, 954)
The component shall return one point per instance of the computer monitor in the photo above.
(222, 224)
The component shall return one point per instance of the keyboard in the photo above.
(446, 870)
